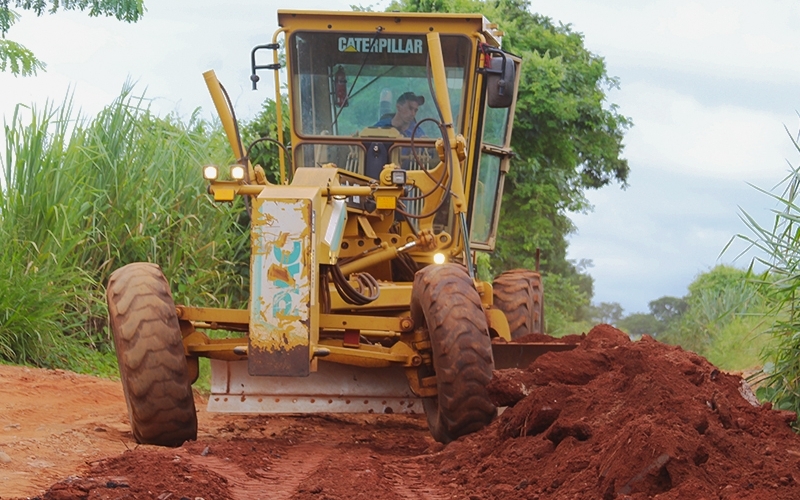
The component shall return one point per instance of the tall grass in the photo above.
(82, 197)
(778, 249)
(740, 344)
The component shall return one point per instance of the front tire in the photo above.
(150, 353)
(520, 295)
(444, 298)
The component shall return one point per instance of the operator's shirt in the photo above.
(386, 122)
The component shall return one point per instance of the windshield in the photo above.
(348, 84)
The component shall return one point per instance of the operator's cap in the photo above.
(410, 96)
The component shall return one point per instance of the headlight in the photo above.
(439, 258)
(398, 177)
(237, 172)
(210, 172)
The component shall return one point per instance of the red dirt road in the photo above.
(59, 427)
(51, 422)
(611, 419)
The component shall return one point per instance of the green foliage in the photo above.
(13, 56)
(722, 318)
(125, 10)
(740, 343)
(563, 301)
(28, 320)
(565, 140)
(483, 266)
(568, 139)
(716, 298)
(667, 309)
(778, 247)
(21, 61)
(638, 324)
(265, 125)
(84, 197)
(605, 312)
(664, 314)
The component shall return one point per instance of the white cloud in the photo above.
(67, 40)
(676, 132)
(734, 37)
(655, 237)
(699, 21)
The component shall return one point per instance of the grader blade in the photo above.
(334, 388)
(520, 355)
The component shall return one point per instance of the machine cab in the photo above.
(362, 96)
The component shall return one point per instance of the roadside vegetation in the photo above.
(81, 197)
(778, 250)
(725, 317)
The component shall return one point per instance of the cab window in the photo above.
(346, 84)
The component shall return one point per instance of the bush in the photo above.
(84, 197)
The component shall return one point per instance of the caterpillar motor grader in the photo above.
(363, 295)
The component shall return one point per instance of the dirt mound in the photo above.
(620, 419)
(547, 339)
(609, 419)
(132, 475)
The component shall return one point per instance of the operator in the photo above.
(404, 119)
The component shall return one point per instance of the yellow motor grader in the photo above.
(363, 295)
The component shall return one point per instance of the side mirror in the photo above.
(500, 80)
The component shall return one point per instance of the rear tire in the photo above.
(520, 295)
(150, 353)
(444, 298)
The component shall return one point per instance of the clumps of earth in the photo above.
(616, 419)
(608, 419)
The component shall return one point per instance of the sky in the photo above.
(711, 88)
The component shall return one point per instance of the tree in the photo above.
(665, 313)
(641, 324)
(21, 61)
(667, 309)
(567, 137)
(716, 298)
(606, 312)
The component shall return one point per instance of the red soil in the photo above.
(610, 419)
(621, 419)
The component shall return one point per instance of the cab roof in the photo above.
(390, 22)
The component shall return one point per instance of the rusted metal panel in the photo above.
(281, 289)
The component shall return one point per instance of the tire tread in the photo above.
(151, 356)
(519, 294)
(444, 298)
